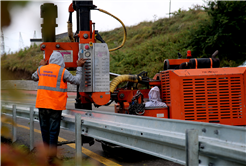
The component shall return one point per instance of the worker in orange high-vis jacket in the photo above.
(52, 94)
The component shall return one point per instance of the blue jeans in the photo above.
(50, 126)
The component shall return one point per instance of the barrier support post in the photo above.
(31, 128)
(191, 147)
(14, 138)
(78, 129)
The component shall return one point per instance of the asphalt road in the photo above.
(93, 153)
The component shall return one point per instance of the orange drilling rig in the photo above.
(194, 89)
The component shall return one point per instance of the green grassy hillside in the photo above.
(22, 64)
(150, 43)
(146, 47)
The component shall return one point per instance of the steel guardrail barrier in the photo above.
(184, 142)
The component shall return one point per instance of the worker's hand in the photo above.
(81, 62)
(43, 62)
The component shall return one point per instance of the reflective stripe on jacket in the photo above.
(52, 90)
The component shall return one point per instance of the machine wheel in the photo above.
(110, 148)
(120, 152)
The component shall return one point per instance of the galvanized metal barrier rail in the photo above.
(183, 142)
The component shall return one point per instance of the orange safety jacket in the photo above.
(52, 90)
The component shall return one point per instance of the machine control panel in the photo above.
(96, 68)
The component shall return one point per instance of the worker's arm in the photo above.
(35, 74)
(68, 77)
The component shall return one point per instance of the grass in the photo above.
(26, 60)
(150, 43)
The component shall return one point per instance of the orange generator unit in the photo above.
(215, 95)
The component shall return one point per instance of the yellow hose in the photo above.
(70, 31)
(122, 78)
(124, 39)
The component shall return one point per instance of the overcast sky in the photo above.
(131, 12)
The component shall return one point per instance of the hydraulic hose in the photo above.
(124, 39)
(69, 23)
(122, 78)
(70, 32)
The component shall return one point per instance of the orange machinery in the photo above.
(94, 87)
(196, 90)
(193, 89)
(216, 95)
(201, 91)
